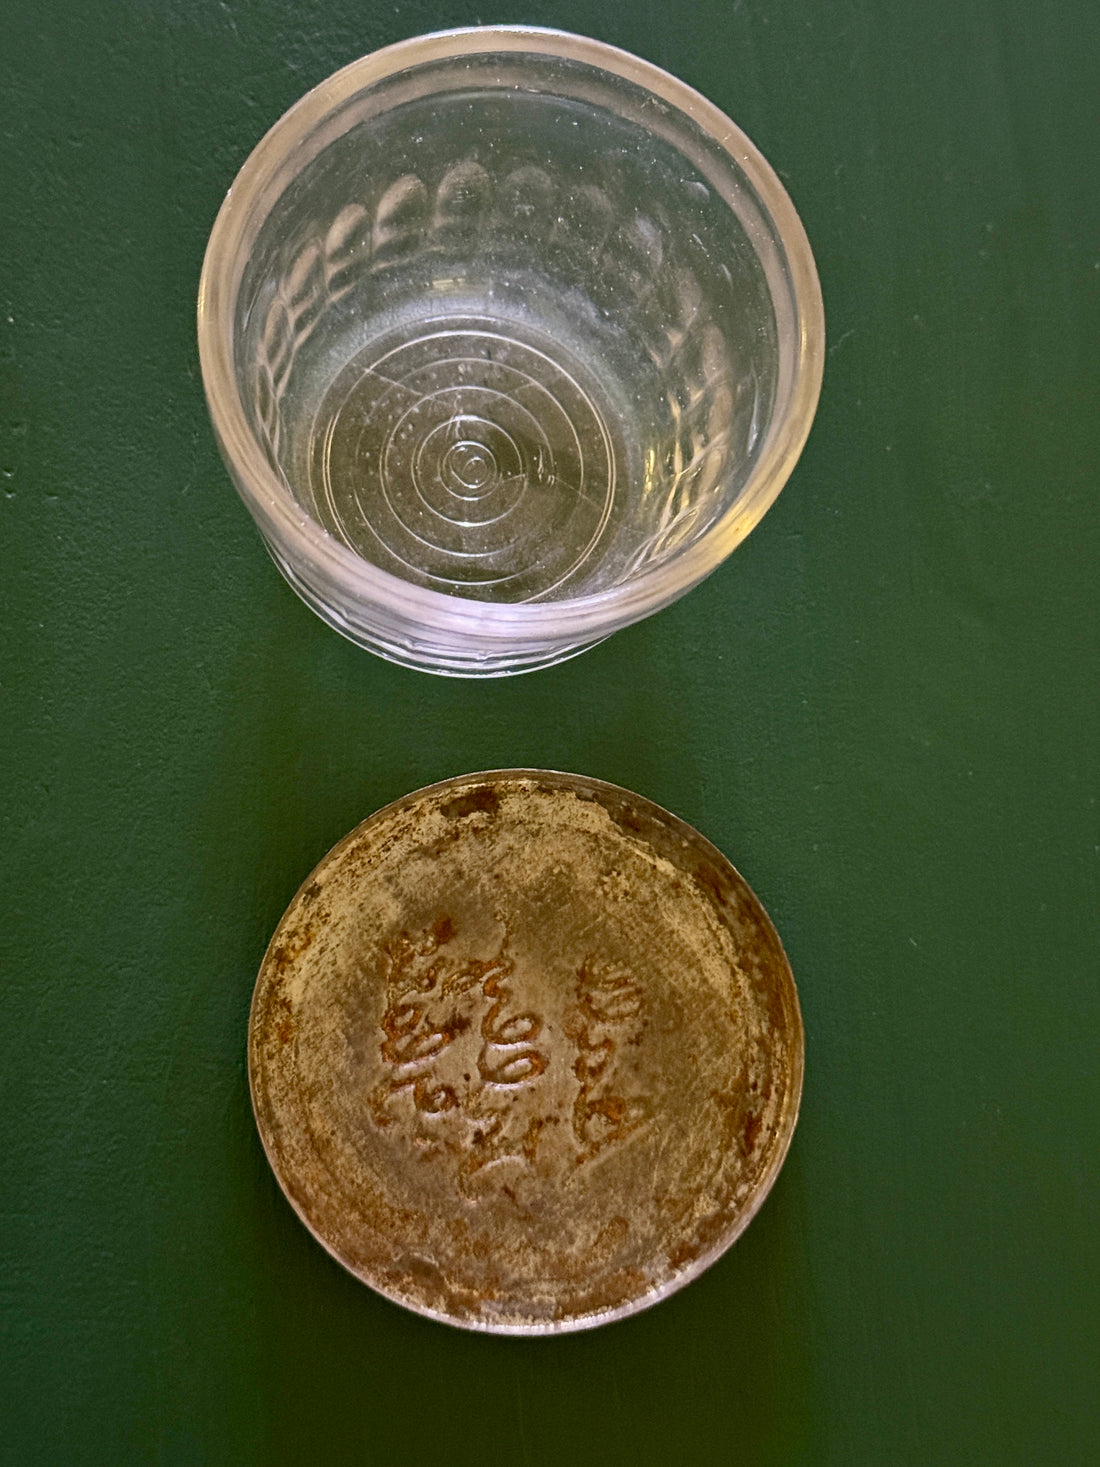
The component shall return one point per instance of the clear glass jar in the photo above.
(509, 338)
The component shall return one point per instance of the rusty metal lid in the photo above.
(525, 1052)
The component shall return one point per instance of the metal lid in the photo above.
(525, 1052)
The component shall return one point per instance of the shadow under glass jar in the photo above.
(509, 338)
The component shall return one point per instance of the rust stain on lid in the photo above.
(525, 1052)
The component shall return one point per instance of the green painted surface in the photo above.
(883, 708)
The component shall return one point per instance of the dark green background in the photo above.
(882, 708)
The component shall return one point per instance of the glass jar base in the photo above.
(423, 656)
